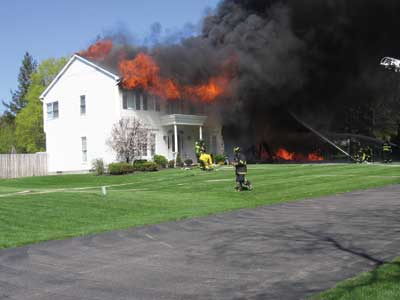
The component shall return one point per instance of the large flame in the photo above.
(315, 156)
(284, 154)
(142, 72)
(98, 51)
(214, 88)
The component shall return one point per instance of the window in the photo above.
(83, 105)
(137, 97)
(84, 149)
(52, 110)
(128, 100)
(214, 144)
(152, 144)
(157, 104)
(125, 100)
(145, 101)
(144, 149)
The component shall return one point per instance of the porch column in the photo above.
(176, 142)
(201, 132)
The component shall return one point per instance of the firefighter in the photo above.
(206, 162)
(362, 155)
(387, 152)
(370, 154)
(197, 150)
(240, 164)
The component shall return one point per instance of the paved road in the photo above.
(285, 251)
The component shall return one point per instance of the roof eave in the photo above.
(117, 78)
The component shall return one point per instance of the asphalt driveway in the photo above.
(286, 251)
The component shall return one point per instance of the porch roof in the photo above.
(180, 119)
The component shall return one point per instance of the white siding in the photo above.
(63, 134)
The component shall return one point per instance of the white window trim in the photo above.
(52, 110)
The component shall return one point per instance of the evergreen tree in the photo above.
(18, 97)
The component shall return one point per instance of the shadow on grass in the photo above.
(385, 272)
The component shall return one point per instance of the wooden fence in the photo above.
(23, 165)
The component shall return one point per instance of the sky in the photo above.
(56, 28)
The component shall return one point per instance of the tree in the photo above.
(18, 97)
(129, 139)
(29, 132)
(7, 133)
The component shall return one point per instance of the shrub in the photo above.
(120, 168)
(140, 161)
(160, 160)
(179, 162)
(171, 164)
(220, 159)
(98, 166)
(147, 166)
(188, 162)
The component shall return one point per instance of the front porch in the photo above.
(182, 131)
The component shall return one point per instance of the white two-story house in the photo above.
(85, 100)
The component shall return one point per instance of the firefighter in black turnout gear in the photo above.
(240, 164)
(387, 152)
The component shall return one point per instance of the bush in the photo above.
(120, 168)
(160, 160)
(188, 162)
(179, 162)
(147, 166)
(171, 164)
(139, 161)
(98, 166)
(220, 159)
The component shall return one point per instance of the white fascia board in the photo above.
(69, 63)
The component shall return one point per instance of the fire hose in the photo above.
(323, 137)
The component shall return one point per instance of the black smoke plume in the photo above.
(317, 58)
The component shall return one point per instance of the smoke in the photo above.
(317, 58)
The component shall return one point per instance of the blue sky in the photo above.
(55, 28)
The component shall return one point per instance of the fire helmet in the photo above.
(236, 149)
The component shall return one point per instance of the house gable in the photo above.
(67, 66)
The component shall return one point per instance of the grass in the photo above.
(72, 205)
(383, 283)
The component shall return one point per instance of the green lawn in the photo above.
(72, 205)
(382, 283)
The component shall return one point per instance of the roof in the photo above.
(108, 72)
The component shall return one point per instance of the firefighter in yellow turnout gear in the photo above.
(203, 158)
(206, 162)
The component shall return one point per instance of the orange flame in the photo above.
(284, 154)
(142, 72)
(315, 157)
(215, 87)
(98, 51)
(292, 156)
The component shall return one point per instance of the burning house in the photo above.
(86, 99)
